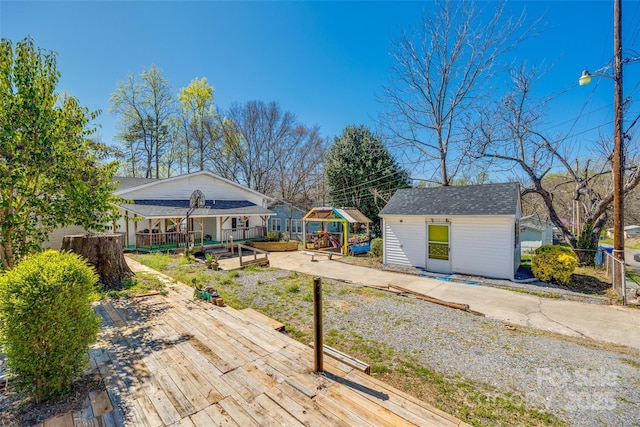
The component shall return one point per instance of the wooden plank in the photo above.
(262, 319)
(205, 347)
(347, 396)
(234, 328)
(277, 415)
(100, 403)
(209, 332)
(162, 403)
(291, 398)
(113, 314)
(237, 412)
(60, 420)
(305, 358)
(404, 404)
(147, 411)
(187, 422)
(178, 400)
(244, 384)
(213, 415)
(345, 358)
(84, 417)
(195, 395)
(344, 410)
(100, 311)
(296, 410)
(116, 400)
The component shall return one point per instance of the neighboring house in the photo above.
(287, 219)
(630, 231)
(534, 232)
(470, 230)
(158, 213)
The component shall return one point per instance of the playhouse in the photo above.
(344, 230)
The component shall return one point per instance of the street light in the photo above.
(618, 138)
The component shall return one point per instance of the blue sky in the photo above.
(323, 61)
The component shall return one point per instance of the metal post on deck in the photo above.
(317, 325)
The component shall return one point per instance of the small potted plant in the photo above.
(212, 261)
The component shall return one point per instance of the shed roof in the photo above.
(485, 199)
(351, 215)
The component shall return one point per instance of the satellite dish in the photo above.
(197, 200)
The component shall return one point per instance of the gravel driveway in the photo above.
(586, 385)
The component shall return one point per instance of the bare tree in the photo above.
(262, 135)
(442, 72)
(299, 167)
(509, 136)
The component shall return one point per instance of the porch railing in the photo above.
(170, 239)
(246, 233)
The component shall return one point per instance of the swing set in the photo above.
(342, 230)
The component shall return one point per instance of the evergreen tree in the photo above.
(362, 174)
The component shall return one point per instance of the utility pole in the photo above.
(618, 142)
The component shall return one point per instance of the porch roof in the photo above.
(179, 208)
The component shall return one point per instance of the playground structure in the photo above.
(345, 230)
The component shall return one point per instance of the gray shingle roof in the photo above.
(125, 182)
(486, 199)
(179, 208)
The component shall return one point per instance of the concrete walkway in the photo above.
(613, 324)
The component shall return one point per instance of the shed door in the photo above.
(438, 248)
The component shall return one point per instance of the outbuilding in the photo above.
(471, 230)
(534, 232)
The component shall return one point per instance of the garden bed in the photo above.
(290, 245)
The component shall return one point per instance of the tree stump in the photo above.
(105, 253)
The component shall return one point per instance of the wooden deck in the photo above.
(173, 361)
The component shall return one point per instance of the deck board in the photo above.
(173, 361)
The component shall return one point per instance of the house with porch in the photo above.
(200, 209)
(197, 209)
(472, 230)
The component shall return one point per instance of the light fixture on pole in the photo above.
(618, 137)
(585, 79)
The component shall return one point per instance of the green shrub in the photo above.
(555, 248)
(376, 247)
(273, 236)
(554, 264)
(46, 321)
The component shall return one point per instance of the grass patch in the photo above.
(631, 362)
(473, 402)
(140, 284)
(541, 294)
(257, 269)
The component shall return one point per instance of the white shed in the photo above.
(470, 230)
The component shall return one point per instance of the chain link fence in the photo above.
(615, 269)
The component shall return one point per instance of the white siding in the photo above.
(483, 246)
(405, 241)
(182, 187)
(56, 236)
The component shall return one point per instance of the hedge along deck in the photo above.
(174, 360)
